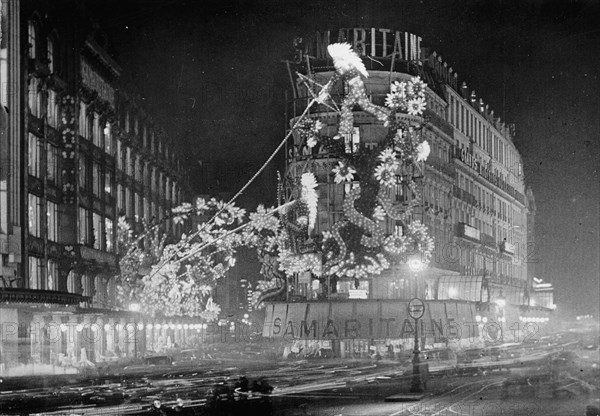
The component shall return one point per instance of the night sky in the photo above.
(213, 75)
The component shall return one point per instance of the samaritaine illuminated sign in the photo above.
(373, 42)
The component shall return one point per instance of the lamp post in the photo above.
(134, 306)
(416, 265)
(501, 302)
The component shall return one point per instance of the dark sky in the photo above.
(213, 74)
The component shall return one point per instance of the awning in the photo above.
(460, 288)
(14, 295)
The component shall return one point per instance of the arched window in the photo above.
(71, 286)
(34, 97)
(32, 39)
(50, 55)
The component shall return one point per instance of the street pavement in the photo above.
(520, 385)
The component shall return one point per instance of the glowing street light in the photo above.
(134, 306)
(501, 302)
(415, 264)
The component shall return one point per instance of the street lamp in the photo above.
(415, 264)
(501, 302)
(134, 306)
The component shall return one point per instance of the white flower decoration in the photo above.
(418, 86)
(423, 150)
(398, 88)
(416, 106)
(385, 175)
(311, 142)
(343, 173)
(390, 158)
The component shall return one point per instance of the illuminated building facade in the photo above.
(78, 151)
(475, 202)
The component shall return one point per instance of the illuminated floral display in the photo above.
(179, 278)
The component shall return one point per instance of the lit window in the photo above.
(96, 133)
(84, 126)
(52, 279)
(97, 179)
(36, 272)
(84, 227)
(31, 37)
(108, 224)
(98, 232)
(87, 284)
(107, 138)
(52, 164)
(50, 55)
(34, 211)
(83, 173)
(107, 183)
(52, 225)
(52, 109)
(34, 156)
(34, 97)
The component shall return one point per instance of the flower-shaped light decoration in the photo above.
(407, 97)
(385, 175)
(423, 150)
(263, 220)
(389, 158)
(343, 173)
(396, 99)
(418, 87)
(211, 311)
(416, 106)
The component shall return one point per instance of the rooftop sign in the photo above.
(373, 42)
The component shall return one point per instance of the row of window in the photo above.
(504, 210)
(96, 230)
(472, 125)
(37, 157)
(35, 51)
(38, 105)
(93, 129)
(143, 172)
(133, 205)
(36, 218)
(43, 275)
